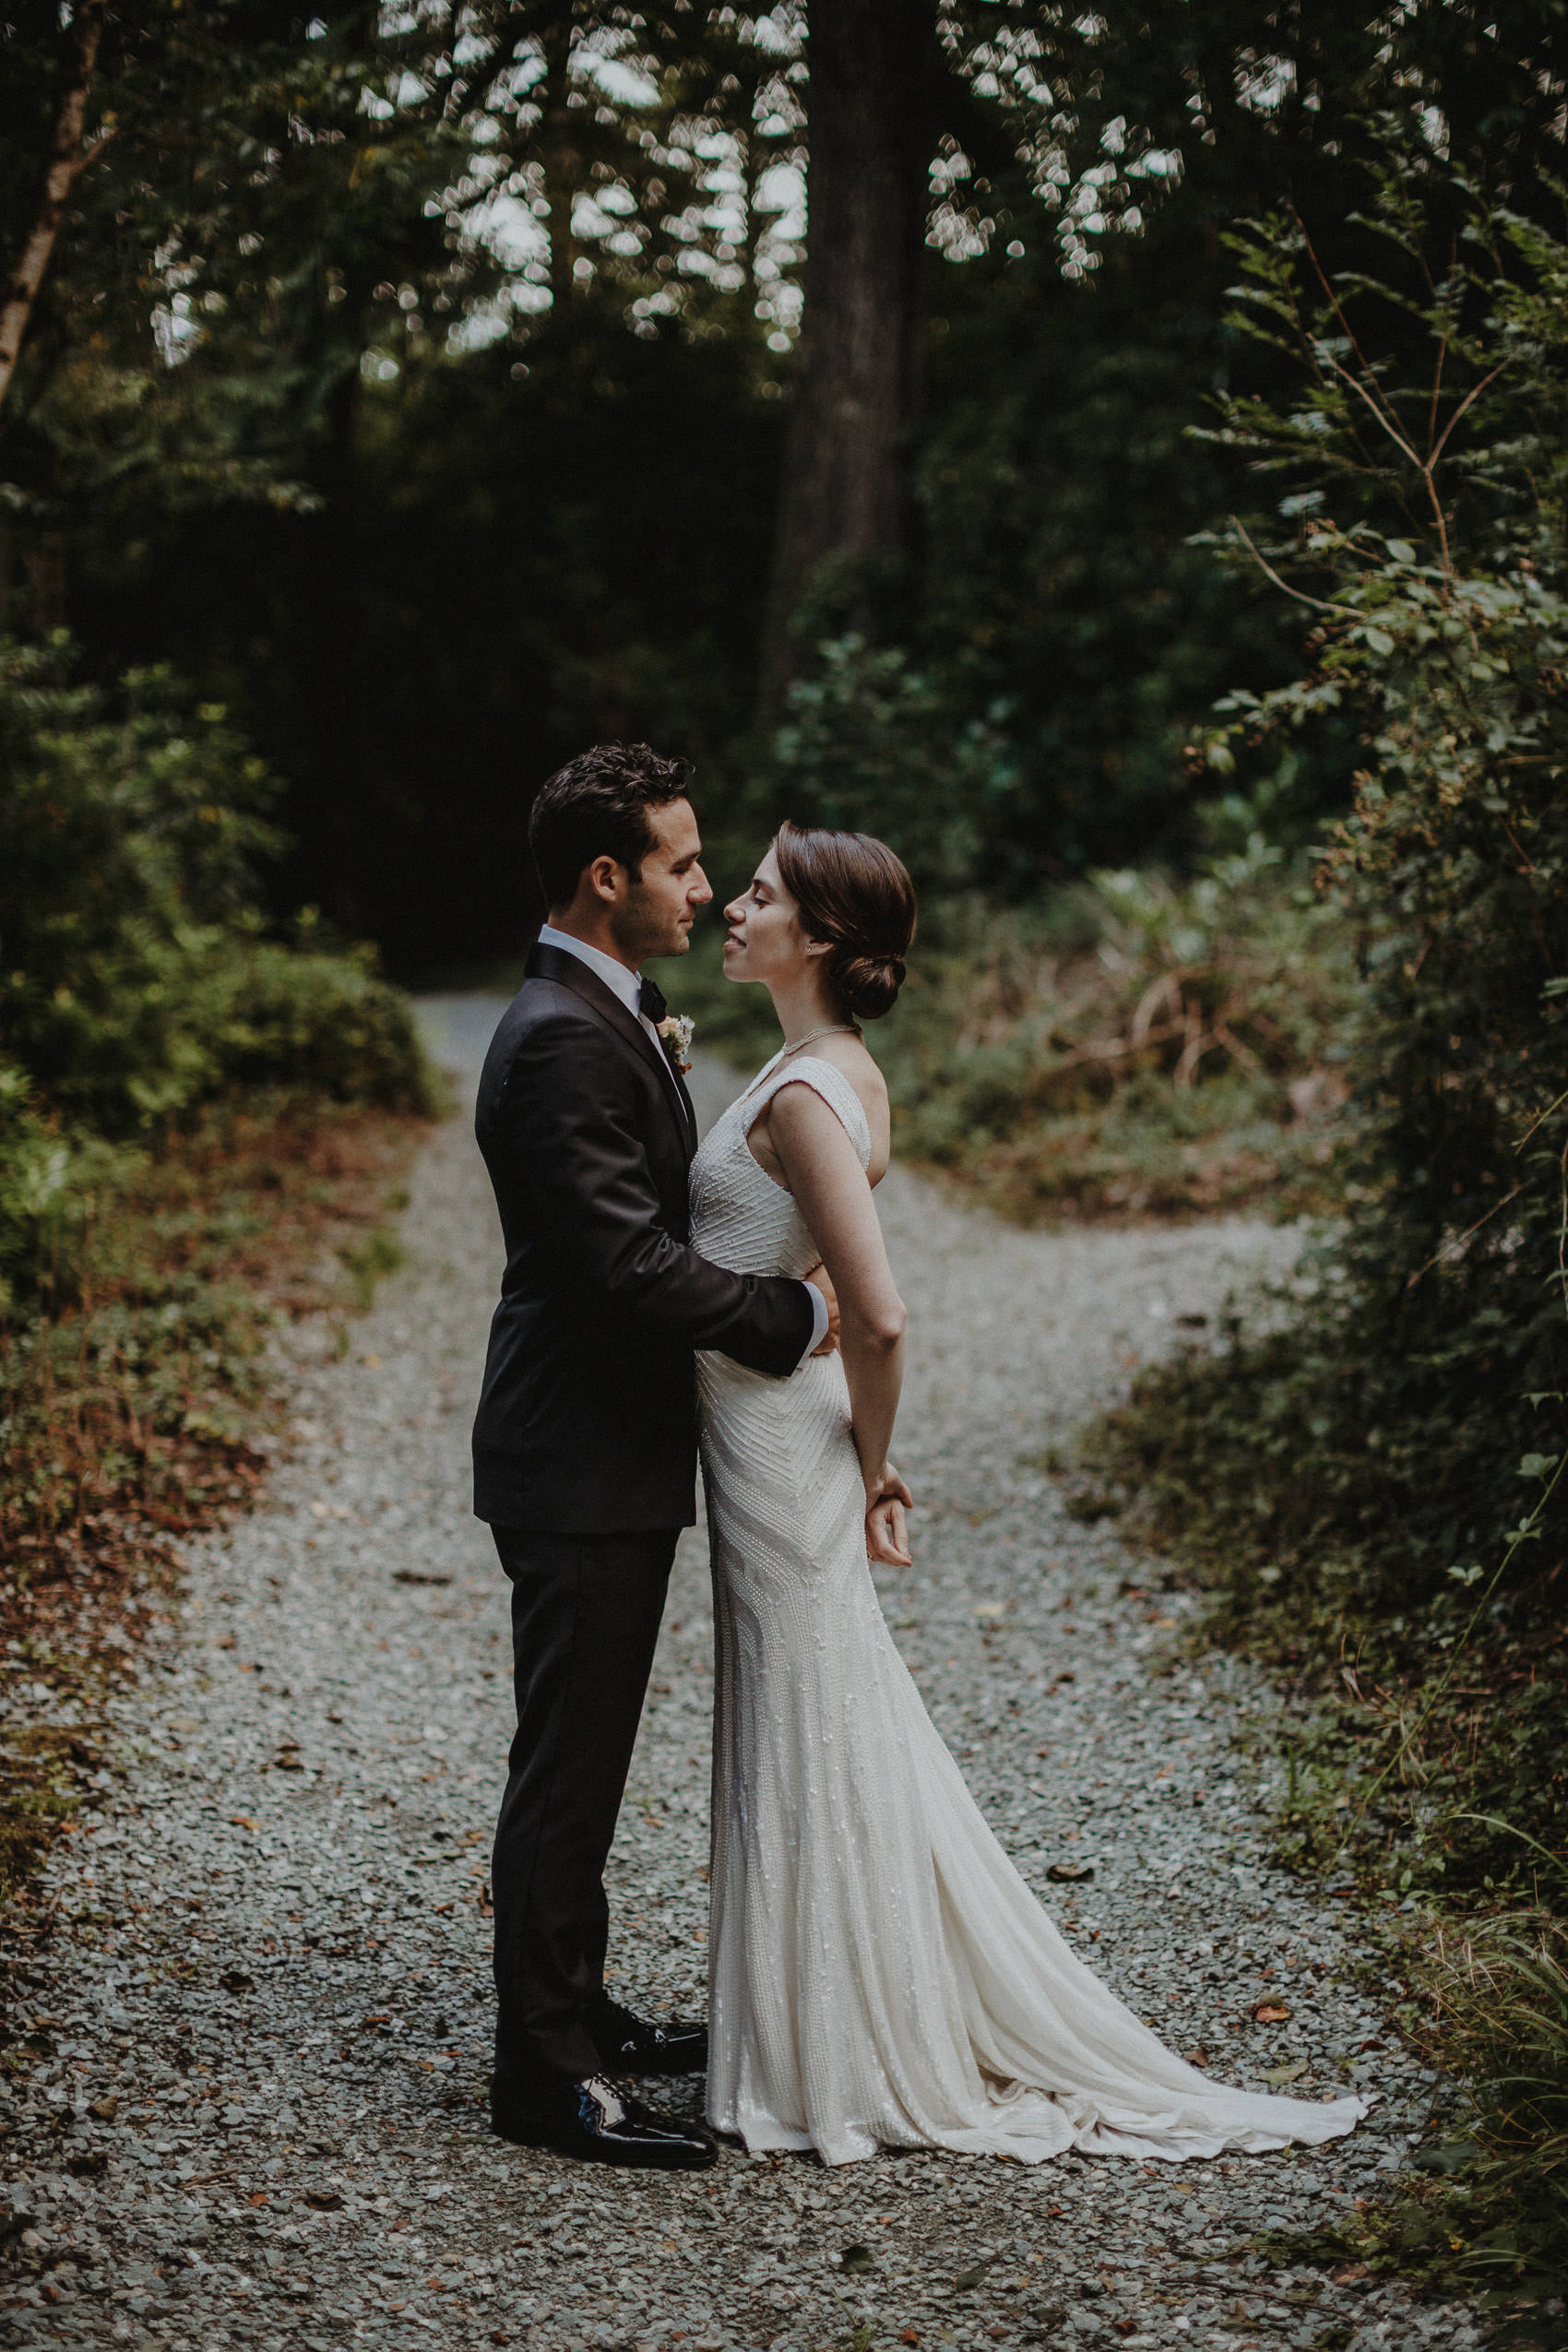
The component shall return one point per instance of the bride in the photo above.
(880, 1975)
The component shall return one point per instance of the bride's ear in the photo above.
(817, 946)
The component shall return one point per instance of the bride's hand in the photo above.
(888, 1499)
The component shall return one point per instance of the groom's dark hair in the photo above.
(596, 807)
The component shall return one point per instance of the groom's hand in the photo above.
(819, 1276)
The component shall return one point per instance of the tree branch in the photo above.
(1263, 565)
(65, 165)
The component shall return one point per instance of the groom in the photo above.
(584, 1444)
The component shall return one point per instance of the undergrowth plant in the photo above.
(1374, 1488)
(1136, 1045)
(199, 1123)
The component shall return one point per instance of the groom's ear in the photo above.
(605, 879)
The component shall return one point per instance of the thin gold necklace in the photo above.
(835, 1029)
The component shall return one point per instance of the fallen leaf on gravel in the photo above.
(858, 2258)
(1069, 1873)
(244, 1820)
(1349, 2273)
(259, 2197)
(324, 2199)
(1271, 2013)
(105, 2108)
(910, 2335)
(1286, 2073)
(1198, 2057)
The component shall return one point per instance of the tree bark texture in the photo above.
(845, 490)
(65, 165)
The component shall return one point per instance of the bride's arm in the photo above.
(822, 1170)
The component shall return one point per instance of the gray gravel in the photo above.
(251, 2109)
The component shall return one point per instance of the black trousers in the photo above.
(585, 1618)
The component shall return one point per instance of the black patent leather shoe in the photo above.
(592, 2120)
(632, 2045)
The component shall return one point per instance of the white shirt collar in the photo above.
(625, 984)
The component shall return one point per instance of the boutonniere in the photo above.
(678, 1029)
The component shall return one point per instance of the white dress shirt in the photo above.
(626, 984)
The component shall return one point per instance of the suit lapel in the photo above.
(685, 1098)
(556, 964)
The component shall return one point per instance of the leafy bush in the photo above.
(872, 742)
(135, 981)
(1435, 1354)
(49, 1184)
(171, 1156)
(1376, 1489)
(1132, 1045)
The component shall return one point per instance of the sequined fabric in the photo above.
(879, 1973)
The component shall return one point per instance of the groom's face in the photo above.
(657, 913)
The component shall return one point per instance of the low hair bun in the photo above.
(866, 986)
(856, 895)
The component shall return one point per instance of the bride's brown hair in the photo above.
(852, 892)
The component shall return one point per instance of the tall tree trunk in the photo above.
(65, 165)
(845, 490)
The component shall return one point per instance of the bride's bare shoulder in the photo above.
(849, 1056)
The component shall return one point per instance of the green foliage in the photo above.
(1132, 1045)
(1497, 2005)
(135, 979)
(1376, 1484)
(49, 1184)
(871, 743)
(1438, 1352)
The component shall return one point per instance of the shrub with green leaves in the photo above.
(1134, 1044)
(1435, 1356)
(873, 742)
(1376, 1488)
(135, 979)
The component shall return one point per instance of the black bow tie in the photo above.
(650, 1002)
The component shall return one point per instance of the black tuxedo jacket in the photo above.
(587, 1419)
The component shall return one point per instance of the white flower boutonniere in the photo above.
(678, 1029)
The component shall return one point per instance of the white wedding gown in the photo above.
(880, 1975)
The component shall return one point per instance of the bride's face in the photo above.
(766, 940)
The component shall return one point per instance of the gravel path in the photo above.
(251, 2109)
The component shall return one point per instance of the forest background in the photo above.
(1119, 461)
